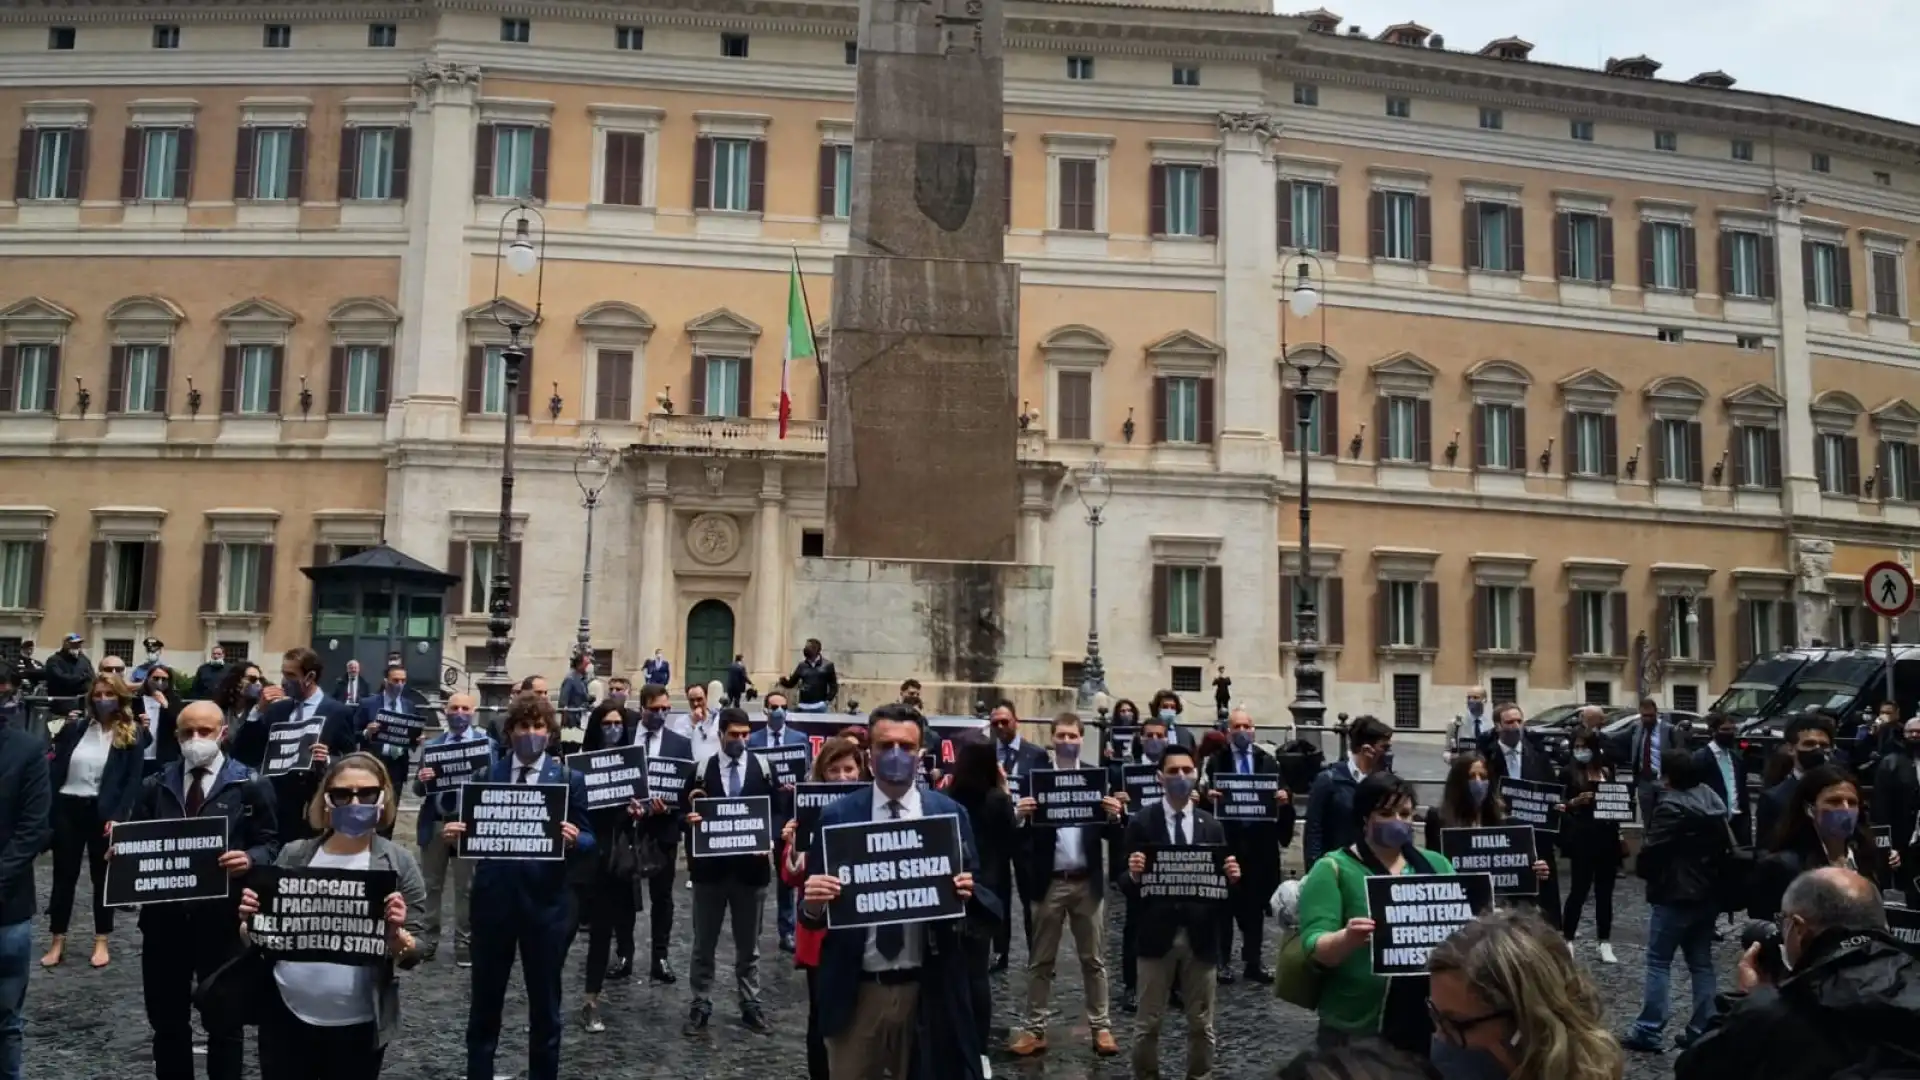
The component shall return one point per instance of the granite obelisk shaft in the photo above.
(923, 363)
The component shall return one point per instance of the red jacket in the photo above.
(806, 939)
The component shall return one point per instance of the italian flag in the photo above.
(799, 338)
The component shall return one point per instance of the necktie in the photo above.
(196, 796)
(1246, 766)
(1180, 827)
(890, 940)
(1646, 751)
(1006, 757)
(524, 771)
(733, 779)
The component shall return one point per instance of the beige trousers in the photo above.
(879, 1041)
(1068, 905)
(1158, 976)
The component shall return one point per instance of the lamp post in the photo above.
(522, 256)
(1095, 488)
(591, 470)
(1309, 707)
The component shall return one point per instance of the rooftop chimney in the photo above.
(1633, 67)
(1715, 80)
(1508, 48)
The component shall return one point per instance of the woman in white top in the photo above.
(333, 1021)
(95, 775)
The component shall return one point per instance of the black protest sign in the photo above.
(1247, 797)
(1613, 800)
(1532, 802)
(322, 916)
(400, 730)
(1883, 837)
(733, 825)
(454, 763)
(1120, 740)
(787, 764)
(1016, 786)
(613, 777)
(1142, 785)
(894, 872)
(158, 862)
(1905, 923)
(1185, 874)
(667, 779)
(513, 821)
(1412, 913)
(290, 747)
(1067, 796)
(812, 797)
(1504, 852)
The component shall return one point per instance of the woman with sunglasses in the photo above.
(1592, 846)
(333, 1021)
(238, 693)
(95, 776)
(1508, 1003)
(606, 886)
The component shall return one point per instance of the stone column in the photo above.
(1793, 362)
(1249, 306)
(1033, 510)
(656, 562)
(434, 271)
(770, 573)
(1812, 562)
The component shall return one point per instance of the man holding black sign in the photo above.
(1255, 842)
(661, 825)
(778, 733)
(872, 979)
(297, 702)
(185, 943)
(403, 716)
(463, 746)
(729, 886)
(1514, 758)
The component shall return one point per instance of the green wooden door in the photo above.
(709, 642)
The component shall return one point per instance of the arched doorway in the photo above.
(709, 642)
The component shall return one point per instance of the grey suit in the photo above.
(1630, 750)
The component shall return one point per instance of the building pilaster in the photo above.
(1249, 312)
(434, 271)
(1793, 361)
(655, 563)
(769, 573)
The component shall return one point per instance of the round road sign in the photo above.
(1889, 589)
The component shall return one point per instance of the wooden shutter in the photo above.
(1160, 600)
(757, 176)
(513, 576)
(1885, 270)
(1883, 469)
(542, 144)
(476, 379)
(1430, 614)
(402, 160)
(53, 380)
(523, 397)
(1843, 275)
(383, 389)
(1159, 408)
(1742, 631)
(1289, 421)
(1423, 228)
(1215, 603)
(1726, 262)
(743, 389)
(117, 379)
(243, 164)
(1517, 434)
(1471, 255)
(1289, 603)
(1156, 200)
(1850, 460)
(97, 576)
(183, 158)
(210, 556)
(1604, 229)
(1703, 607)
(132, 144)
(263, 582)
(1696, 465)
(697, 391)
(149, 574)
(1074, 412)
(1382, 614)
(1206, 411)
(828, 195)
(1482, 618)
(1209, 201)
(1610, 445)
(323, 555)
(36, 575)
(278, 368)
(162, 375)
(1788, 633)
(9, 357)
(1806, 270)
(1329, 426)
(1820, 471)
(457, 566)
(1911, 453)
(1479, 436)
(1647, 277)
(1576, 626)
(1773, 458)
(1562, 244)
(1658, 444)
(622, 168)
(702, 173)
(613, 384)
(1769, 267)
(483, 136)
(1524, 600)
(1382, 428)
(1333, 620)
(1569, 443)
(230, 380)
(1689, 260)
(1376, 224)
(23, 163)
(1745, 472)
(1516, 239)
(297, 164)
(76, 187)
(336, 380)
(1330, 219)
(1618, 601)
(1423, 431)
(344, 187)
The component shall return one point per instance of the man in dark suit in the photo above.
(1809, 736)
(872, 981)
(297, 700)
(1330, 821)
(352, 688)
(1018, 757)
(1178, 942)
(1167, 706)
(26, 802)
(393, 698)
(662, 824)
(1896, 804)
(1255, 845)
(1515, 758)
(185, 943)
(521, 904)
(1065, 866)
(436, 854)
(1724, 769)
(729, 887)
(1639, 748)
(779, 733)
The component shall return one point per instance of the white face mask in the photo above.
(199, 753)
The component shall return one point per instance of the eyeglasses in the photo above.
(253, 679)
(1455, 1028)
(365, 796)
(112, 670)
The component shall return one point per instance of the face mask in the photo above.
(251, 691)
(529, 745)
(395, 689)
(1153, 747)
(1465, 1062)
(1386, 761)
(1475, 708)
(1241, 740)
(616, 695)
(1913, 743)
(1835, 824)
(733, 748)
(1393, 834)
(293, 689)
(1808, 760)
(157, 686)
(105, 707)
(1125, 719)
(458, 722)
(1726, 738)
(894, 765)
(354, 820)
(1478, 789)
(1168, 716)
(1178, 786)
(776, 718)
(654, 719)
(199, 753)
(1510, 736)
(1583, 756)
(1066, 751)
(611, 733)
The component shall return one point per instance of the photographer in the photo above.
(1841, 989)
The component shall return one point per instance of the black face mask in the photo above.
(1726, 738)
(1808, 760)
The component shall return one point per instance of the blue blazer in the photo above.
(119, 784)
(842, 951)
(530, 886)
(436, 808)
(763, 738)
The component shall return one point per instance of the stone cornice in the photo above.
(82, 12)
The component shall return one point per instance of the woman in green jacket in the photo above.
(1335, 929)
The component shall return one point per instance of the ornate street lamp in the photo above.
(1095, 488)
(1309, 707)
(591, 471)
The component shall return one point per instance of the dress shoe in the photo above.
(787, 944)
(696, 1024)
(1224, 976)
(1027, 1044)
(662, 972)
(1258, 974)
(755, 1021)
(1129, 1001)
(999, 963)
(621, 970)
(590, 1018)
(1103, 1043)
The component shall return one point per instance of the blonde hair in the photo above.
(319, 814)
(1519, 965)
(126, 730)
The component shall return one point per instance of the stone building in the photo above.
(1599, 349)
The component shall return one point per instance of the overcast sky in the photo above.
(1850, 53)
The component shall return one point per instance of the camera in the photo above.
(1772, 959)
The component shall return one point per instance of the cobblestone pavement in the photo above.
(85, 1024)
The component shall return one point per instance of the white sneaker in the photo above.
(986, 1068)
(1606, 954)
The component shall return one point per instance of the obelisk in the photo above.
(923, 368)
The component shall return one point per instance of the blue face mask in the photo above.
(1168, 716)
(105, 707)
(529, 745)
(1478, 789)
(1835, 825)
(293, 689)
(733, 748)
(1392, 834)
(654, 719)
(1465, 1062)
(1066, 751)
(251, 691)
(612, 733)
(1241, 740)
(1151, 748)
(354, 820)
(776, 718)
(895, 765)
(1178, 786)
(458, 722)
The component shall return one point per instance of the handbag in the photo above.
(651, 858)
(1298, 977)
(235, 994)
(623, 855)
